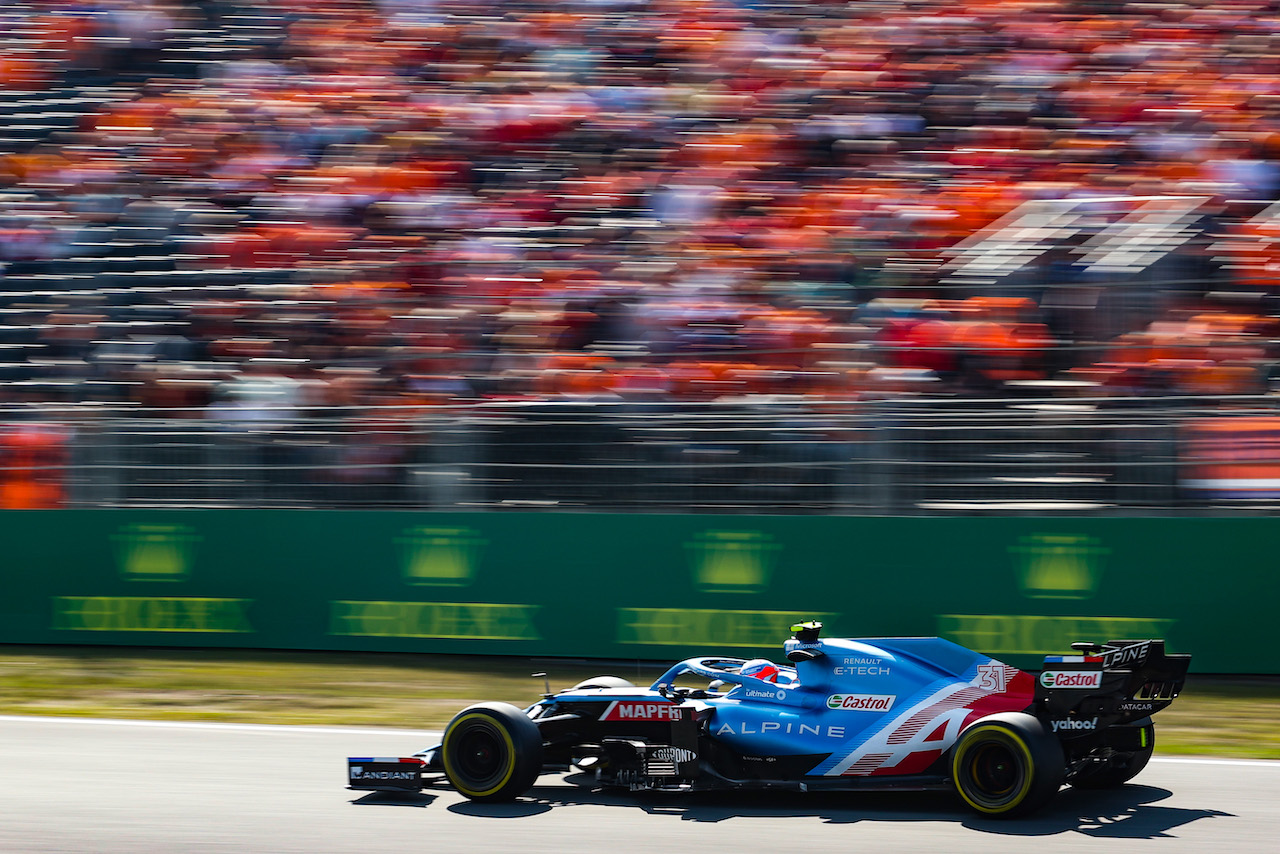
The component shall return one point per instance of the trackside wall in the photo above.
(634, 587)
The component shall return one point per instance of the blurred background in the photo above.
(996, 257)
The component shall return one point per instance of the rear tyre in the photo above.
(603, 682)
(1007, 765)
(492, 752)
(1123, 765)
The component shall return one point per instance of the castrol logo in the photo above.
(1071, 678)
(861, 702)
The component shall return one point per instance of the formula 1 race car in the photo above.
(899, 713)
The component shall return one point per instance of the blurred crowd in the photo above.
(228, 209)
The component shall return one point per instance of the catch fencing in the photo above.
(901, 457)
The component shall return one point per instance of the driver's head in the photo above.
(760, 668)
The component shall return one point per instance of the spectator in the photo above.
(682, 189)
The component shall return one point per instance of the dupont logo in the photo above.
(622, 711)
(673, 754)
(862, 702)
(1071, 678)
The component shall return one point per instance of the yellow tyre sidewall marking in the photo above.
(511, 755)
(1012, 738)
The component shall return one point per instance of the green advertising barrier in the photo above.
(633, 587)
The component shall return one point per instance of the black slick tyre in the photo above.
(1007, 765)
(492, 752)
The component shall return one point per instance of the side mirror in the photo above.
(803, 655)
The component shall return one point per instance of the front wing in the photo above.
(389, 774)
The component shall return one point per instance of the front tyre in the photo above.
(603, 682)
(492, 752)
(1007, 765)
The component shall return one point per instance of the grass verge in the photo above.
(1215, 716)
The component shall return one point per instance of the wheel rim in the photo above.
(995, 772)
(992, 772)
(482, 755)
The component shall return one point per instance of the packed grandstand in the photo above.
(214, 210)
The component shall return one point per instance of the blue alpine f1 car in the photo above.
(843, 714)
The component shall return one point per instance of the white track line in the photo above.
(1197, 760)
(330, 730)
(216, 725)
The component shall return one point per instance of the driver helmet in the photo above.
(761, 668)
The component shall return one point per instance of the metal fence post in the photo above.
(448, 478)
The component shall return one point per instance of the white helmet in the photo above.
(761, 668)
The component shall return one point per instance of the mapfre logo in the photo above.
(621, 710)
(1071, 678)
(862, 702)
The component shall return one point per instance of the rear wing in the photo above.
(1119, 681)
(1155, 674)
